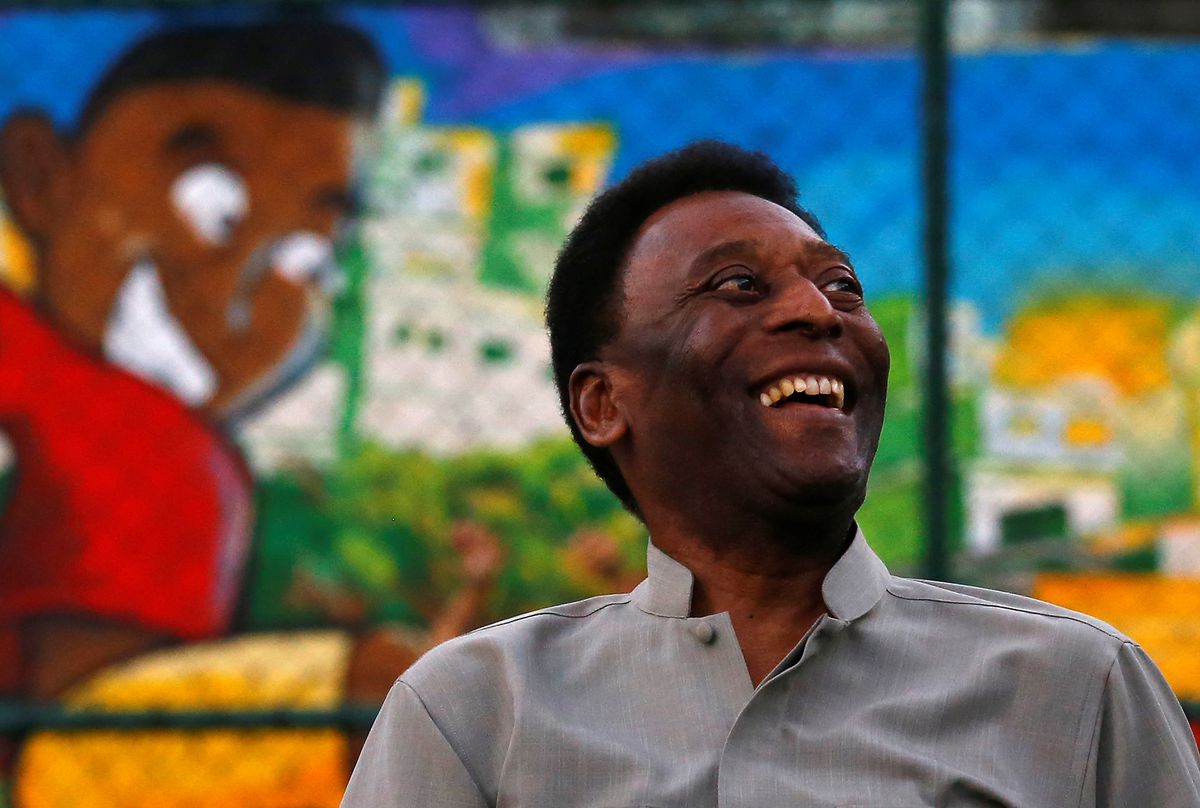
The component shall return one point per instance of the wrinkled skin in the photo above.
(724, 294)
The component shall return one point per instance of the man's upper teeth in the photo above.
(809, 385)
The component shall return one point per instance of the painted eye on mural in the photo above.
(212, 199)
(305, 256)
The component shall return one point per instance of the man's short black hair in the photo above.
(582, 305)
(305, 61)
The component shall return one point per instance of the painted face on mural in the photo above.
(753, 367)
(188, 234)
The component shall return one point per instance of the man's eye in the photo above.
(737, 283)
(844, 286)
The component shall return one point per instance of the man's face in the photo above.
(729, 303)
(197, 245)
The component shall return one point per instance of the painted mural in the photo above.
(275, 407)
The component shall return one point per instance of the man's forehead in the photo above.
(716, 224)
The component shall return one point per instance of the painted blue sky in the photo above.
(1077, 164)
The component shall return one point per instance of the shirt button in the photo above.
(703, 631)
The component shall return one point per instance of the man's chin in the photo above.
(815, 492)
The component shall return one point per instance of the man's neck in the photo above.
(770, 584)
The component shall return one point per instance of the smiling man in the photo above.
(722, 372)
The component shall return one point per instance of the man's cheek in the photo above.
(879, 353)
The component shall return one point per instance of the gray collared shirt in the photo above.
(907, 693)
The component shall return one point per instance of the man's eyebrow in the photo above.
(726, 249)
(834, 251)
(741, 247)
(192, 137)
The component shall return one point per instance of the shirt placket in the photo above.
(737, 786)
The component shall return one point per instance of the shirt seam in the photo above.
(457, 754)
(1092, 745)
(986, 605)
(665, 614)
(551, 613)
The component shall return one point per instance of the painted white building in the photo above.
(1072, 424)
(1048, 449)
(449, 364)
(452, 366)
(1090, 503)
(1179, 547)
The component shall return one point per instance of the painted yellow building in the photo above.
(1123, 342)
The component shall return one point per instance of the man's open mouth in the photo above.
(825, 391)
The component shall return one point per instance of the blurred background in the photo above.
(275, 406)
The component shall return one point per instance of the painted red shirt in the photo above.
(125, 504)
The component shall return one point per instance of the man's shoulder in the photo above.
(494, 656)
(1002, 612)
(575, 610)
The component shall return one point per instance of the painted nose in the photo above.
(800, 306)
(301, 257)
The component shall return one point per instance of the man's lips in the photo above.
(824, 388)
(807, 388)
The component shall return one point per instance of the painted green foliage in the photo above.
(375, 528)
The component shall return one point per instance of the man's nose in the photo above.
(798, 305)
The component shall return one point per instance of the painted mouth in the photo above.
(805, 388)
(143, 337)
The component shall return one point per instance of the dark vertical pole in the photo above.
(935, 73)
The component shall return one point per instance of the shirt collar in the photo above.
(667, 590)
(852, 587)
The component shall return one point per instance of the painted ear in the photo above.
(593, 406)
(33, 170)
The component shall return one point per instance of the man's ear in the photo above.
(593, 406)
(34, 164)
